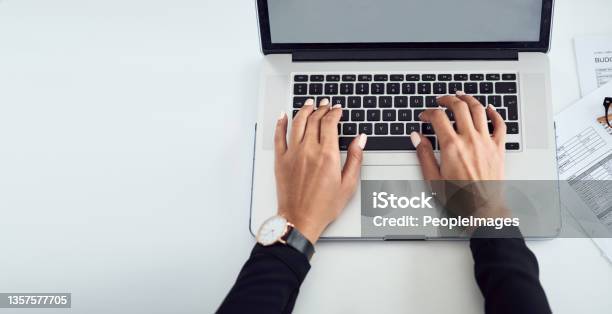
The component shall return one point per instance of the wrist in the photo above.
(311, 230)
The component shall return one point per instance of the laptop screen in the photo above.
(404, 21)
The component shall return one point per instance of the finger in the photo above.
(352, 166)
(441, 124)
(329, 127)
(499, 126)
(460, 110)
(477, 110)
(427, 159)
(280, 135)
(314, 121)
(299, 122)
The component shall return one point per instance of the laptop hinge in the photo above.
(401, 54)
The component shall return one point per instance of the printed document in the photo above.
(594, 61)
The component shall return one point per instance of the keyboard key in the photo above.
(431, 102)
(298, 102)
(397, 129)
(346, 88)
(349, 129)
(502, 112)
(454, 87)
(332, 78)
(357, 115)
(300, 78)
(476, 77)
(439, 88)
(424, 88)
(495, 101)
(404, 115)
(295, 112)
(427, 128)
(381, 143)
(513, 146)
(354, 102)
(300, 89)
(509, 77)
(505, 87)
(381, 77)
(511, 103)
(362, 88)
(373, 115)
(408, 88)
(345, 115)
(486, 88)
(512, 127)
(460, 77)
(315, 89)
(365, 128)
(450, 115)
(412, 127)
(429, 77)
(482, 99)
(378, 88)
(369, 102)
(349, 77)
(413, 77)
(416, 114)
(416, 102)
(393, 88)
(397, 77)
(470, 88)
(364, 77)
(445, 77)
(490, 127)
(331, 88)
(381, 129)
(339, 100)
(400, 101)
(493, 77)
(319, 99)
(316, 78)
(385, 102)
(432, 139)
(388, 115)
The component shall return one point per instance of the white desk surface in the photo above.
(126, 131)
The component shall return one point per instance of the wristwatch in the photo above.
(277, 229)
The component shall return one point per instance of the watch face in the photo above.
(272, 230)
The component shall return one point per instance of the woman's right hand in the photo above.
(468, 153)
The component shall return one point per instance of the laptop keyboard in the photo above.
(386, 107)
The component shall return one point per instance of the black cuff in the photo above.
(295, 260)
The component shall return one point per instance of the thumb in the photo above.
(352, 166)
(429, 164)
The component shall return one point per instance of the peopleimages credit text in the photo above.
(386, 200)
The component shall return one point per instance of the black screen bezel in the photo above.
(542, 46)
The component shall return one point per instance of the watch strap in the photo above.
(298, 241)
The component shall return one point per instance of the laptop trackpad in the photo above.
(409, 172)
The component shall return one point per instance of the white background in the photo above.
(126, 131)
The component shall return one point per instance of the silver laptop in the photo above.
(385, 61)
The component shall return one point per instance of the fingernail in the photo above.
(415, 138)
(492, 107)
(363, 139)
(460, 93)
(309, 102)
(336, 106)
(282, 115)
(324, 102)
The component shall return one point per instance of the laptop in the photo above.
(385, 61)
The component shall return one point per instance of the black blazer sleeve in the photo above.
(507, 272)
(269, 281)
